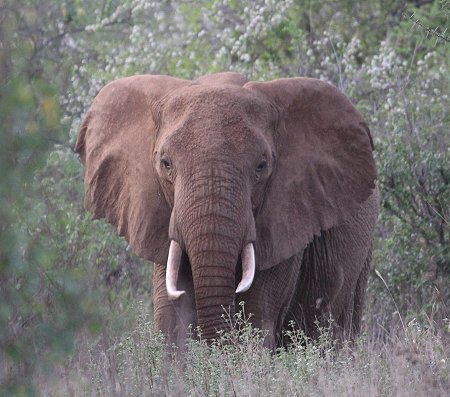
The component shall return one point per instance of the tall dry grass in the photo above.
(409, 361)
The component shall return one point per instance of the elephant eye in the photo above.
(261, 166)
(165, 163)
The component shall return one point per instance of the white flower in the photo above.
(245, 57)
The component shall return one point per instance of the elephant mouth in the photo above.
(174, 263)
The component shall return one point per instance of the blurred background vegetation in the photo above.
(63, 276)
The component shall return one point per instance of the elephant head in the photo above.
(236, 176)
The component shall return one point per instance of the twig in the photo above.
(437, 213)
(427, 29)
(392, 296)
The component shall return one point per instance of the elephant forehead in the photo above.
(203, 115)
(225, 105)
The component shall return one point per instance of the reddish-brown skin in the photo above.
(219, 162)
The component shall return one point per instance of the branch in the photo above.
(427, 29)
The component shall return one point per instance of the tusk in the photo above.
(248, 268)
(173, 267)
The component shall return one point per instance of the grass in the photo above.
(413, 360)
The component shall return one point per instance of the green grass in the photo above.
(409, 361)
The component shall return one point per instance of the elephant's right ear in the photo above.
(116, 143)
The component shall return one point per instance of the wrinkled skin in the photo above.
(219, 163)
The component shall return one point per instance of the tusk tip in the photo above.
(175, 295)
(242, 288)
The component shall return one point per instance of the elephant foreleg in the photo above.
(174, 318)
(270, 296)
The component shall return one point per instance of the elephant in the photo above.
(260, 192)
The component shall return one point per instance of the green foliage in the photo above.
(36, 314)
(410, 92)
(48, 290)
(62, 274)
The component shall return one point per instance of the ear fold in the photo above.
(116, 143)
(324, 167)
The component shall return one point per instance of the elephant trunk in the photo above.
(213, 274)
(215, 226)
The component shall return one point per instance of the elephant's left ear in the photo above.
(324, 168)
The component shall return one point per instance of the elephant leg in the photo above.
(319, 282)
(348, 323)
(354, 254)
(174, 318)
(270, 296)
(163, 309)
(334, 275)
(360, 293)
